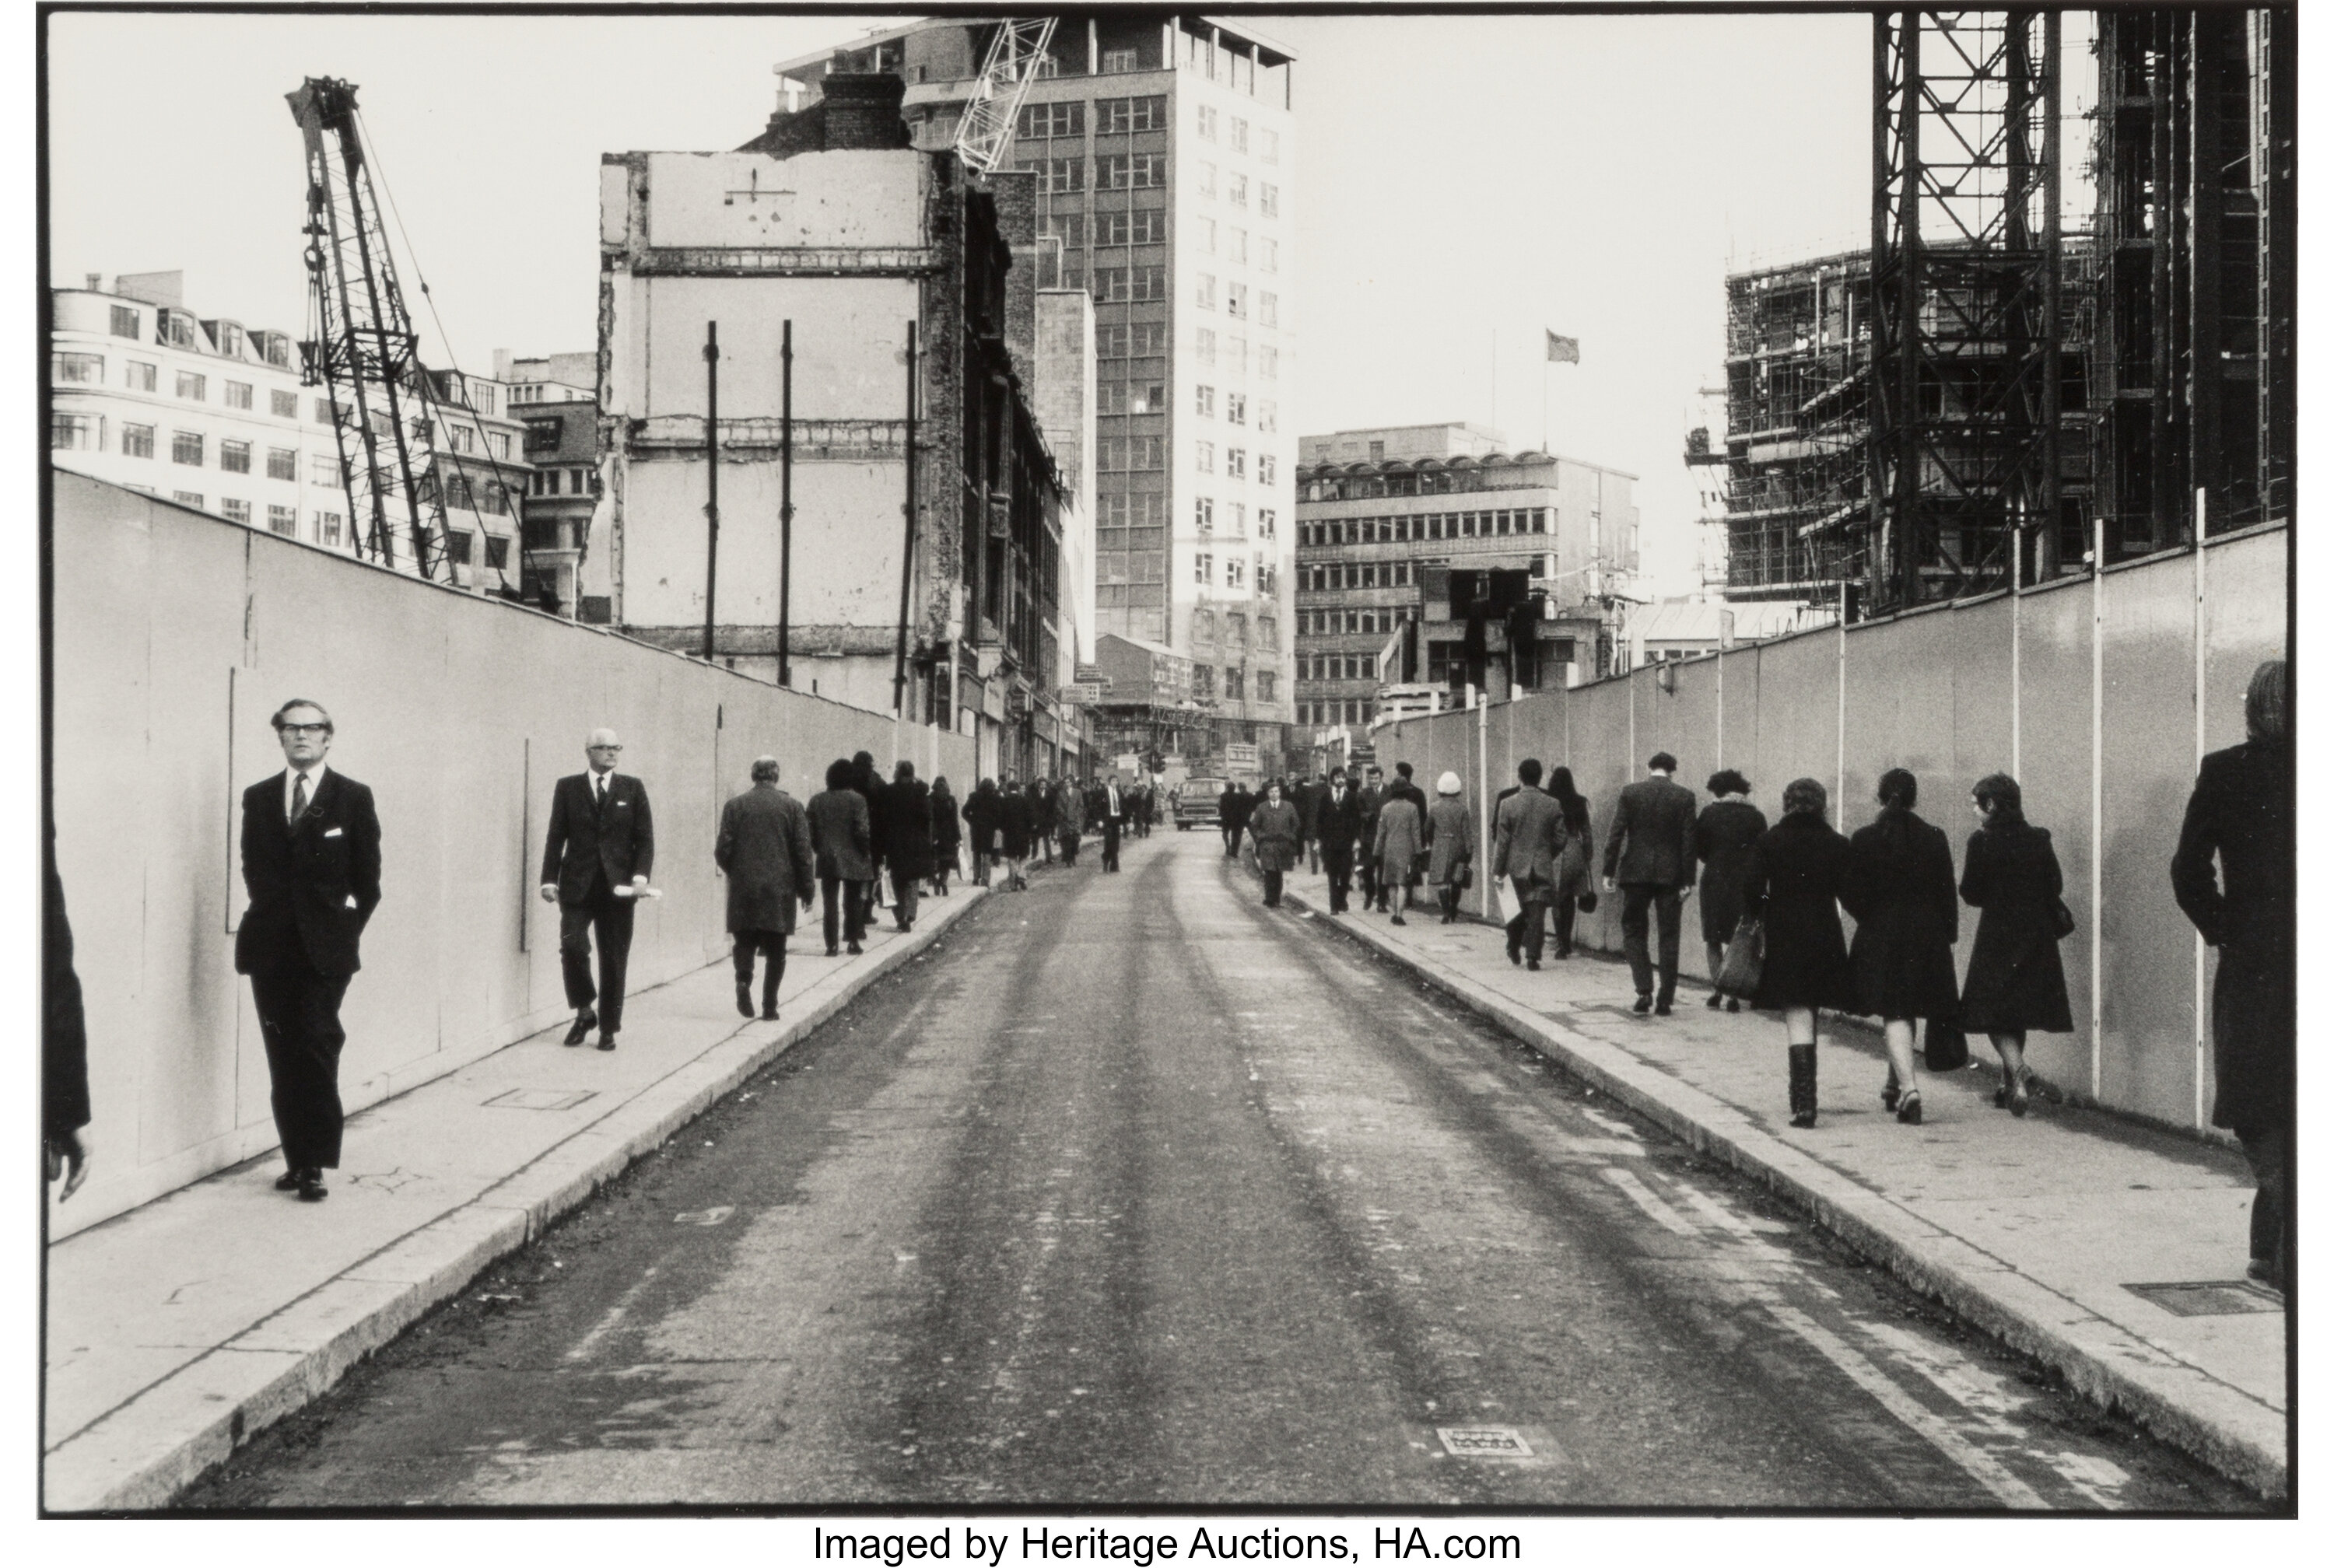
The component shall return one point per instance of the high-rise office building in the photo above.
(1163, 151)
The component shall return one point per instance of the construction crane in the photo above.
(986, 130)
(362, 347)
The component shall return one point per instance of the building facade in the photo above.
(1384, 517)
(1162, 152)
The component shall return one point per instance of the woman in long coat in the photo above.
(1401, 835)
(947, 833)
(1276, 833)
(1793, 880)
(980, 814)
(2011, 877)
(1450, 845)
(1900, 888)
(764, 851)
(1576, 878)
(1016, 815)
(1722, 837)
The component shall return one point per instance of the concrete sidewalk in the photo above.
(2058, 1233)
(180, 1329)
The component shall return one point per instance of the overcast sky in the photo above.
(1460, 185)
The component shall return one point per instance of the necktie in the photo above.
(299, 800)
(600, 792)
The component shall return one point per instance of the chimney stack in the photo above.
(96, 283)
(862, 112)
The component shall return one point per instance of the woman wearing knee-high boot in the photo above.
(2011, 876)
(1793, 880)
(1900, 888)
(1722, 837)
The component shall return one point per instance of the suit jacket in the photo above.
(904, 835)
(1338, 823)
(840, 842)
(1109, 815)
(1528, 839)
(312, 885)
(617, 842)
(764, 848)
(1651, 840)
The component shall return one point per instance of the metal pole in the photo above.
(786, 501)
(1483, 787)
(908, 540)
(2053, 313)
(2196, 551)
(1839, 720)
(2098, 783)
(712, 475)
(2017, 652)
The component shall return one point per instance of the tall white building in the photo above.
(1165, 152)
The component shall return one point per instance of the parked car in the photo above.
(1196, 806)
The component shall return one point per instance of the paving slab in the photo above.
(2034, 1230)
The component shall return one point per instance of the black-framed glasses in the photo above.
(306, 729)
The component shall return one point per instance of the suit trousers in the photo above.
(1110, 829)
(606, 919)
(855, 918)
(1272, 890)
(1069, 848)
(1340, 867)
(772, 945)
(299, 1024)
(903, 899)
(1638, 900)
(1369, 868)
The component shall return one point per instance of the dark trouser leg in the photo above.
(1272, 888)
(575, 946)
(903, 898)
(300, 1024)
(1636, 904)
(2265, 1150)
(1535, 935)
(1565, 909)
(1668, 907)
(611, 928)
(1341, 875)
(827, 889)
(742, 946)
(1109, 845)
(774, 967)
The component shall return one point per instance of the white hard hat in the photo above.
(1448, 785)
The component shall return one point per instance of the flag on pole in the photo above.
(1562, 351)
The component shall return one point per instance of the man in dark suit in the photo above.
(1649, 851)
(764, 851)
(1228, 818)
(1527, 837)
(1114, 820)
(1337, 824)
(1373, 799)
(311, 866)
(596, 860)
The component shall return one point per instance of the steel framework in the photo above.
(985, 131)
(1962, 455)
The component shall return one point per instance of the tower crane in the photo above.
(986, 130)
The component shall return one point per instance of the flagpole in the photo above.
(1495, 376)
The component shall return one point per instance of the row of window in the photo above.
(1235, 189)
(1267, 145)
(1203, 458)
(176, 328)
(1366, 620)
(1236, 301)
(1424, 525)
(578, 481)
(1203, 517)
(1113, 171)
(1328, 577)
(1235, 360)
(1337, 666)
(1351, 710)
(1235, 628)
(1268, 412)
(80, 369)
(1146, 226)
(1113, 116)
(1235, 247)
(1236, 572)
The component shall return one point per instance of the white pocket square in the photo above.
(353, 900)
(331, 832)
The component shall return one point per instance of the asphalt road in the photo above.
(1133, 1191)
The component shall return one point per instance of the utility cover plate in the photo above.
(541, 1098)
(1483, 1442)
(2210, 1298)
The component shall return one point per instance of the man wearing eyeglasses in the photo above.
(311, 866)
(595, 865)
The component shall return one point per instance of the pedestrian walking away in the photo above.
(948, 834)
(596, 860)
(1372, 799)
(66, 1144)
(981, 809)
(763, 849)
(2009, 875)
(1722, 836)
(311, 852)
(1900, 888)
(1307, 797)
(1576, 876)
(1401, 835)
(906, 841)
(870, 788)
(1527, 843)
(1791, 885)
(1339, 825)
(1277, 831)
(1042, 797)
(1113, 823)
(1070, 820)
(1227, 819)
(1013, 826)
(1451, 846)
(1649, 854)
(2241, 811)
(842, 850)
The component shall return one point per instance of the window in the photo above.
(1207, 179)
(1123, 115)
(178, 330)
(1069, 227)
(187, 447)
(1268, 200)
(1059, 175)
(498, 443)
(187, 497)
(1236, 189)
(324, 411)
(1236, 354)
(1204, 230)
(1205, 401)
(1236, 462)
(1236, 301)
(74, 432)
(1269, 258)
(1266, 527)
(235, 456)
(1203, 456)
(1268, 362)
(1052, 119)
(1204, 570)
(461, 439)
(236, 511)
(230, 339)
(1119, 284)
(1240, 518)
(542, 436)
(283, 520)
(191, 386)
(497, 550)
(283, 404)
(1263, 677)
(457, 547)
(1539, 520)
(1117, 62)
(1236, 407)
(328, 527)
(1204, 292)
(125, 321)
(1267, 469)
(1240, 134)
(1236, 247)
(1123, 454)
(238, 394)
(1233, 675)
(324, 468)
(138, 375)
(77, 369)
(1130, 339)
(1267, 145)
(1148, 226)
(1133, 170)
(276, 350)
(1208, 122)
(137, 440)
(1130, 398)
(284, 463)
(1204, 345)
(1204, 514)
(1267, 309)
(1267, 415)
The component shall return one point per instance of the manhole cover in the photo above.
(1484, 1442)
(541, 1098)
(2210, 1298)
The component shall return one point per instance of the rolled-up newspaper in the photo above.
(626, 890)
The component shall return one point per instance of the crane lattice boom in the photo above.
(986, 128)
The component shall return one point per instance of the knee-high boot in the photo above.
(1803, 1086)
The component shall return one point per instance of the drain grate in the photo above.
(541, 1098)
(1484, 1442)
(2210, 1298)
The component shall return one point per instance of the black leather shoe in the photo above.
(1533, 963)
(290, 1180)
(608, 1041)
(1644, 1004)
(312, 1186)
(1715, 1002)
(1515, 954)
(1660, 1009)
(584, 1024)
(745, 999)
(855, 950)
(769, 1010)
(833, 951)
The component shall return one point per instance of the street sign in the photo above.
(1085, 692)
(1091, 674)
(1240, 754)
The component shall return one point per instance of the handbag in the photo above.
(1586, 902)
(1943, 1046)
(1463, 875)
(2062, 920)
(1745, 960)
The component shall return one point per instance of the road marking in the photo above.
(616, 1314)
(1980, 1466)
(1638, 1193)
